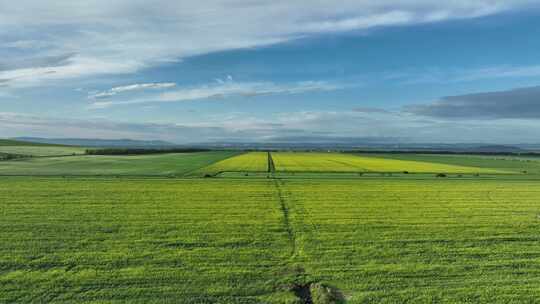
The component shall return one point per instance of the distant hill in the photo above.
(356, 145)
(84, 142)
(11, 142)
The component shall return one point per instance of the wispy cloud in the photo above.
(132, 87)
(444, 76)
(126, 36)
(503, 71)
(72, 67)
(224, 89)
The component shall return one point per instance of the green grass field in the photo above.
(258, 240)
(340, 162)
(147, 241)
(293, 228)
(438, 241)
(141, 165)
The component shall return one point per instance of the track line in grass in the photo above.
(271, 166)
(299, 287)
(304, 287)
(286, 220)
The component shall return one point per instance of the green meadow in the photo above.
(258, 227)
(175, 164)
(42, 150)
(37, 149)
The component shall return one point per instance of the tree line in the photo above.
(10, 156)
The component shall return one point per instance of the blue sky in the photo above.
(187, 72)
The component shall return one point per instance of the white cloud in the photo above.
(76, 66)
(507, 71)
(124, 36)
(445, 76)
(224, 89)
(133, 87)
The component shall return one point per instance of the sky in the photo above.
(271, 71)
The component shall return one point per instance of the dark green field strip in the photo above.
(185, 241)
(179, 164)
(421, 241)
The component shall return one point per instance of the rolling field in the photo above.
(247, 162)
(269, 240)
(11, 142)
(140, 165)
(37, 149)
(336, 162)
(42, 150)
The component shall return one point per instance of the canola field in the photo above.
(341, 162)
(247, 162)
(216, 162)
(269, 240)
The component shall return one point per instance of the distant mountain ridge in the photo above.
(95, 142)
(379, 147)
(344, 144)
(13, 142)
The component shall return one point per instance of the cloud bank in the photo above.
(298, 127)
(521, 103)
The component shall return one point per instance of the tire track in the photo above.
(298, 227)
(291, 235)
(271, 166)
